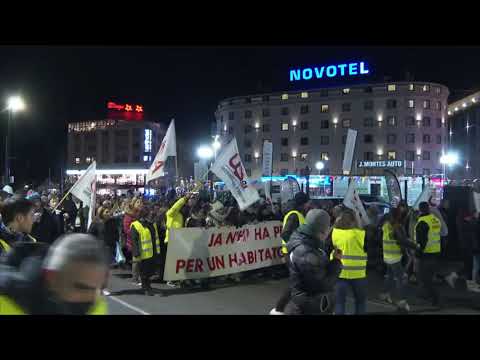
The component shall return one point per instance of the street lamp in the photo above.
(319, 166)
(216, 145)
(205, 152)
(449, 160)
(14, 104)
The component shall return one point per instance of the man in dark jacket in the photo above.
(45, 228)
(312, 274)
(301, 204)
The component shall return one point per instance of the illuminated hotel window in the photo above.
(411, 87)
(426, 88)
(324, 156)
(304, 95)
(284, 126)
(303, 156)
(285, 97)
(391, 87)
(345, 91)
(77, 160)
(426, 104)
(391, 155)
(411, 104)
(88, 160)
(324, 108)
(147, 146)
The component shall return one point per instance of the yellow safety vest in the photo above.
(392, 253)
(434, 227)
(174, 217)
(301, 220)
(5, 246)
(10, 307)
(354, 258)
(146, 245)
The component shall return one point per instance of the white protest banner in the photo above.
(349, 149)
(82, 189)
(423, 197)
(352, 201)
(167, 148)
(229, 168)
(267, 158)
(195, 253)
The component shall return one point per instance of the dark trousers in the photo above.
(146, 269)
(321, 304)
(427, 267)
(359, 290)
(283, 301)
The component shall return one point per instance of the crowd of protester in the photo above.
(120, 223)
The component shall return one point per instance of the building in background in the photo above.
(464, 136)
(123, 145)
(401, 125)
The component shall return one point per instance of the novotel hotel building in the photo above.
(400, 125)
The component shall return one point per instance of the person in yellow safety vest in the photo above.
(145, 247)
(395, 244)
(176, 216)
(17, 221)
(63, 279)
(427, 236)
(291, 221)
(350, 239)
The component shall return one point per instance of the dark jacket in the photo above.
(421, 231)
(46, 230)
(311, 271)
(11, 238)
(106, 231)
(292, 222)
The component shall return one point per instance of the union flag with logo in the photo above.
(167, 148)
(230, 169)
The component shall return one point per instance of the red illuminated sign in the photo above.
(125, 107)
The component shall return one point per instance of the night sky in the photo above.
(62, 84)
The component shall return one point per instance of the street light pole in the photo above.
(7, 168)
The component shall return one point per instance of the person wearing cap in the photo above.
(8, 191)
(312, 275)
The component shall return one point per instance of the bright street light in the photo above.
(216, 144)
(449, 159)
(15, 103)
(319, 165)
(205, 152)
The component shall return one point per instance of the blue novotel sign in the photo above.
(330, 71)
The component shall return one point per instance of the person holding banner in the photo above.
(312, 275)
(349, 237)
(145, 247)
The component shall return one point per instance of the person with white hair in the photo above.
(65, 279)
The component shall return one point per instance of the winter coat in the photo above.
(311, 271)
(46, 230)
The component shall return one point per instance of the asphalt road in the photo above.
(254, 297)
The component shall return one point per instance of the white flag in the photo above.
(423, 197)
(167, 148)
(82, 189)
(93, 202)
(352, 201)
(349, 149)
(229, 168)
